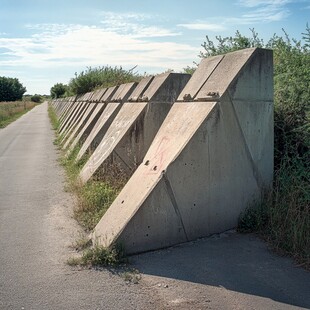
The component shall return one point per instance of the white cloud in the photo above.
(264, 11)
(131, 23)
(203, 26)
(63, 45)
(256, 11)
(255, 3)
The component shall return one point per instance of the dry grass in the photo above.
(10, 111)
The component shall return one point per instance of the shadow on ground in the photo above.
(237, 262)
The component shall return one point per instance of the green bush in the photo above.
(106, 76)
(36, 98)
(11, 89)
(58, 90)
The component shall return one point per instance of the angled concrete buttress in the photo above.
(135, 126)
(77, 106)
(121, 95)
(87, 114)
(211, 158)
(87, 128)
(67, 108)
(74, 105)
(78, 116)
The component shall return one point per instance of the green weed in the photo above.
(99, 256)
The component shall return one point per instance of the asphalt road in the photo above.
(229, 271)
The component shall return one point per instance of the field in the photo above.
(10, 111)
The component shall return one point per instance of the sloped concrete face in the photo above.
(80, 124)
(135, 126)
(117, 95)
(211, 158)
(85, 131)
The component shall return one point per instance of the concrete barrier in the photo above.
(211, 158)
(94, 98)
(76, 107)
(135, 126)
(121, 95)
(86, 129)
(77, 117)
(68, 105)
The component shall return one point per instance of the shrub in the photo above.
(36, 98)
(58, 90)
(11, 89)
(106, 76)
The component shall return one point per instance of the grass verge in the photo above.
(11, 111)
(93, 199)
(98, 255)
(283, 219)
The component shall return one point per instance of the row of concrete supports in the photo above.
(196, 150)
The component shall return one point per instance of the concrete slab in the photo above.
(140, 89)
(123, 92)
(80, 124)
(109, 94)
(200, 76)
(67, 120)
(117, 96)
(74, 120)
(86, 130)
(67, 109)
(131, 133)
(98, 94)
(199, 173)
(77, 104)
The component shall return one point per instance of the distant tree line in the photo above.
(11, 89)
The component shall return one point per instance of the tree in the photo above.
(58, 90)
(36, 98)
(11, 89)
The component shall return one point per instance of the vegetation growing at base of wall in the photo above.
(99, 256)
(92, 201)
(94, 197)
(284, 216)
(11, 111)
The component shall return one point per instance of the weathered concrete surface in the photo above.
(101, 97)
(79, 115)
(67, 109)
(77, 104)
(135, 126)
(74, 121)
(208, 162)
(121, 94)
(80, 124)
(86, 130)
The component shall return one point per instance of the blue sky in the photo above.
(43, 42)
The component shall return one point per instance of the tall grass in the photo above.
(11, 111)
(93, 198)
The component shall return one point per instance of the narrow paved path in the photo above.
(36, 230)
(229, 271)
